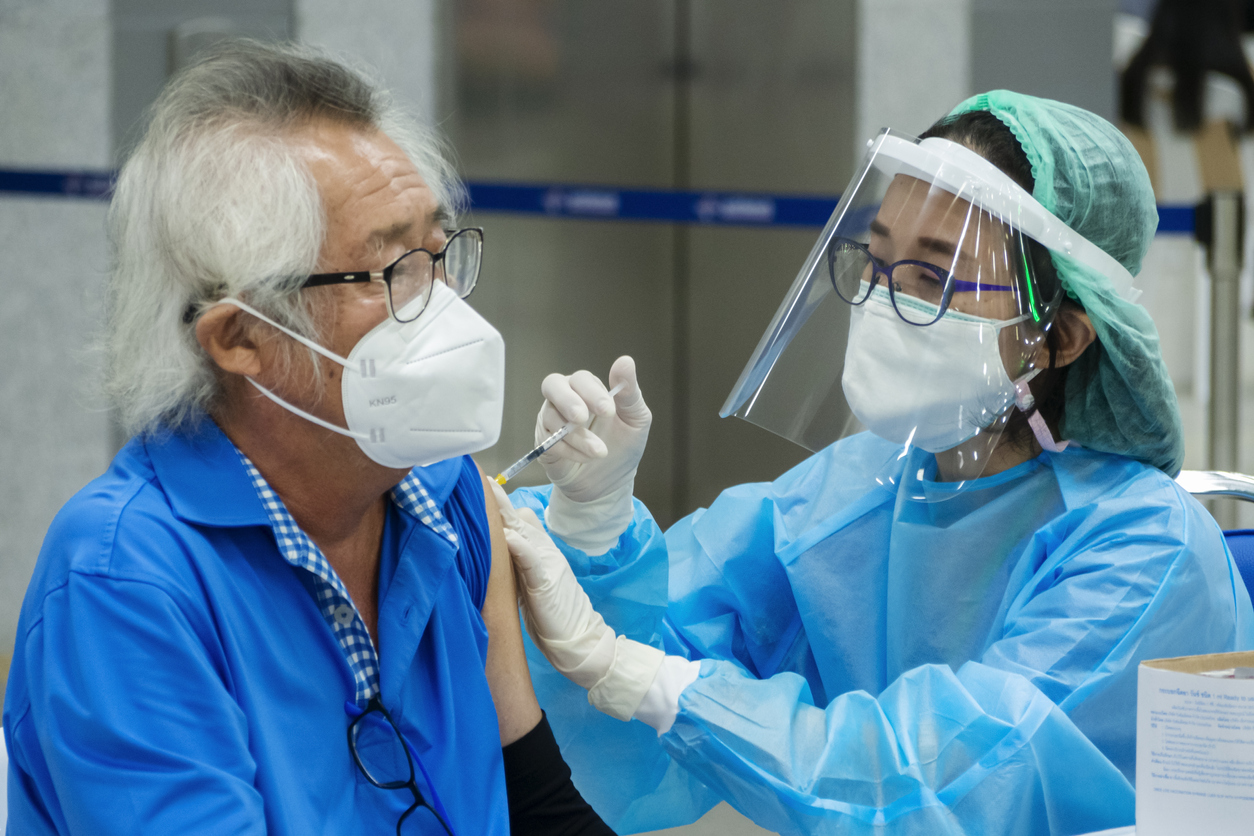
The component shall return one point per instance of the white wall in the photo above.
(54, 431)
(395, 37)
(1057, 49)
(914, 64)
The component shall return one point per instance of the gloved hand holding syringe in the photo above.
(590, 506)
(543, 447)
(593, 473)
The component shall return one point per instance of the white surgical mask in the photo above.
(419, 392)
(933, 386)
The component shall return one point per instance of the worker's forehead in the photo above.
(915, 208)
(910, 200)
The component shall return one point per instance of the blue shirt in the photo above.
(328, 589)
(175, 674)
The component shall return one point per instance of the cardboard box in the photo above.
(1195, 747)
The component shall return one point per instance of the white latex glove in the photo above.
(617, 671)
(593, 470)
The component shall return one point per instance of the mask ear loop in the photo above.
(1026, 403)
(230, 300)
(314, 418)
(1024, 399)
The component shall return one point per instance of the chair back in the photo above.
(1241, 544)
(1236, 486)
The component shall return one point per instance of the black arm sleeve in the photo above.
(542, 799)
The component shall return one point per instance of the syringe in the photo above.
(544, 447)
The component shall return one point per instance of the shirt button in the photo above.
(343, 615)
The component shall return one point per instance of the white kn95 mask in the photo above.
(419, 392)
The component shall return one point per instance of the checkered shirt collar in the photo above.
(410, 496)
(329, 592)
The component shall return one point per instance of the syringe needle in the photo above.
(543, 447)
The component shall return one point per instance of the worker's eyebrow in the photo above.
(943, 247)
(940, 246)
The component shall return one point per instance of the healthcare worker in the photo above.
(933, 624)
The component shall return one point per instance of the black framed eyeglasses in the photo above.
(385, 759)
(920, 291)
(411, 277)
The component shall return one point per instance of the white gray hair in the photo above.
(214, 202)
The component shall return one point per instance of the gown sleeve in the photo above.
(641, 788)
(980, 751)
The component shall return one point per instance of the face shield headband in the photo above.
(920, 313)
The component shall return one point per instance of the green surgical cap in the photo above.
(1119, 397)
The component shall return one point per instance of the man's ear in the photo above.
(224, 336)
(1073, 332)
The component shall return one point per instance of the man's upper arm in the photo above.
(517, 710)
(127, 722)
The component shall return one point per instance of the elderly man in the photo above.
(285, 608)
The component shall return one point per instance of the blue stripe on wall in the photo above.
(88, 184)
(561, 200)
(601, 203)
(1178, 219)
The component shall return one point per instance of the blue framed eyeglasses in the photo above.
(849, 262)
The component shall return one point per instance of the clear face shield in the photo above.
(920, 315)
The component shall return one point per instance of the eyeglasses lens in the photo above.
(381, 752)
(411, 285)
(918, 290)
(850, 267)
(918, 293)
(461, 261)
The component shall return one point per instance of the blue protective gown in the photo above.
(874, 664)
